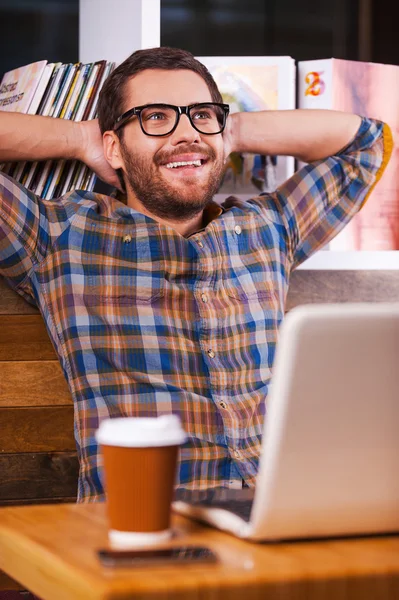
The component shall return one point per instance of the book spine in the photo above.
(49, 190)
(66, 104)
(60, 105)
(69, 178)
(45, 110)
(107, 71)
(40, 90)
(93, 92)
(88, 92)
(57, 67)
(81, 91)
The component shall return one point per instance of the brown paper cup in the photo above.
(140, 461)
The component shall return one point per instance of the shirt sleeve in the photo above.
(28, 229)
(316, 203)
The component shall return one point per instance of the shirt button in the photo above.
(200, 244)
(236, 453)
(204, 298)
(222, 405)
(237, 229)
(211, 353)
(127, 238)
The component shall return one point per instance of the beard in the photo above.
(178, 203)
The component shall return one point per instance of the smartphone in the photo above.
(156, 556)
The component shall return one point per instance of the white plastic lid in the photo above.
(141, 432)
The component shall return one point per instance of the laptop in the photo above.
(329, 464)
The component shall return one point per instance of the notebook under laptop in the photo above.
(330, 452)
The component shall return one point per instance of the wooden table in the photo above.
(51, 551)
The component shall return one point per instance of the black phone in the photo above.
(156, 556)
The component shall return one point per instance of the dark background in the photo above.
(33, 30)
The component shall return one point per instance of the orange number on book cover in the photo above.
(316, 84)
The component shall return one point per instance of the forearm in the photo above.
(308, 135)
(28, 137)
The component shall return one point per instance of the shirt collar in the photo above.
(211, 211)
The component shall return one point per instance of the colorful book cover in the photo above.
(18, 87)
(254, 84)
(370, 90)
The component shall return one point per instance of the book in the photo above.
(17, 90)
(87, 71)
(370, 90)
(33, 108)
(73, 177)
(60, 106)
(249, 83)
(42, 85)
(68, 91)
(18, 87)
(101, 65)
(56, 86)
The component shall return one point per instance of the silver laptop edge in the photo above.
(330, 451)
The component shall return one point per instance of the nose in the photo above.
(184, 132)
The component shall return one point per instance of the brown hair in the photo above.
(110, 104)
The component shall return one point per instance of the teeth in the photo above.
(172, 165)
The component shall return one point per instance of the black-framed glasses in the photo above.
(208, 118)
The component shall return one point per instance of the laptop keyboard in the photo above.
(241, 509)
(239, 502)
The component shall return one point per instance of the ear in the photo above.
(112, 150)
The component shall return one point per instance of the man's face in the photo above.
(177, 193)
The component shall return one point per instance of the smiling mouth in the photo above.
(184, 164)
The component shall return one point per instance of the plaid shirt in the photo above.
(147, 322)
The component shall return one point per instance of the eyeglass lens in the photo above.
(161, 120)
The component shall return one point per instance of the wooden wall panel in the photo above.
(33, 383)
(12, 303)
(38, 429)
(38, 476)
(24, 337)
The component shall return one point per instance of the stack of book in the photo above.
(66, 91)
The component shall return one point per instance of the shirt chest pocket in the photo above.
(246, 285)
(130, 272)
(135, 288)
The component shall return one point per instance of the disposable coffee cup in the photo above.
(140, 461)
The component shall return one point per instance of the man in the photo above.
(166, 302)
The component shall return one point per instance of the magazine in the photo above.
(370, 90)
(254, 83)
